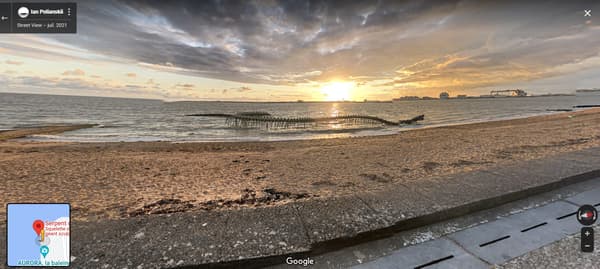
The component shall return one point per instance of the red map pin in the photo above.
(38, 225)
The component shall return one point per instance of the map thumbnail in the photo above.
(38, 235)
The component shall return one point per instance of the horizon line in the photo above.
(283, 101)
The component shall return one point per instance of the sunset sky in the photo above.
(309, 50)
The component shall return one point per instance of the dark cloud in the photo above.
(247, 41)
(291, 42)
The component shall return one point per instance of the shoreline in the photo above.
(22, 134)
(117, 180)
(42, 130)
(565, 94)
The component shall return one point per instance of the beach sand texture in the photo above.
(122, 180)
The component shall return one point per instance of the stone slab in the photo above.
(537, 172)
(257, 232)
(591, 197)
(565, 253)
(189, 239)
(337, 218)
(399, 203)
(479, 240)
(166, 240)
(491, 184)
(447, 192)
(425, 253)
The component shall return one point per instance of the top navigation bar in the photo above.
(38, 18)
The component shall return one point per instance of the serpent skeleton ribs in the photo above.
(266, 120)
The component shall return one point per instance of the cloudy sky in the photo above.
(309, 50)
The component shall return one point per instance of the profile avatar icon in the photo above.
(23, 12)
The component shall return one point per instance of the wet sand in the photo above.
(24, 132)
(122, 180)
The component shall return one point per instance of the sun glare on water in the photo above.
(337, 91)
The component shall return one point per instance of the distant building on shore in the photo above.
(442, 96)
(406, 98)
(509, 93)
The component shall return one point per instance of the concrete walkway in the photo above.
(558, 255)
(481, 239)
(498, 240)
(256, 237)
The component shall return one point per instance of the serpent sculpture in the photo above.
(264, 119)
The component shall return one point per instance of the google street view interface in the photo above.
(281, 134)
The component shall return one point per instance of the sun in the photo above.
(337, 91)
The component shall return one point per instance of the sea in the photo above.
(120, 119)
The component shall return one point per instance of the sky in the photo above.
(309, 50)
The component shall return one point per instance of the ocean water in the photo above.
(121, 119)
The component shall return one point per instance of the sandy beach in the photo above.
(122, 180)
